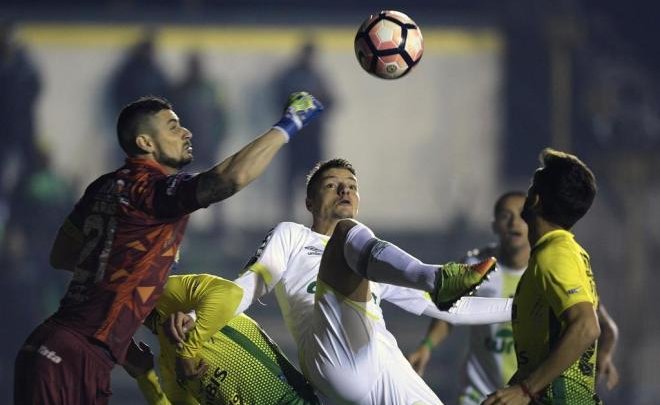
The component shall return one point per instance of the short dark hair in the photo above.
(314, 175)
(566, 187)
(502, 198)
(132, 121)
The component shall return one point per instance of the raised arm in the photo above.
(238, 170)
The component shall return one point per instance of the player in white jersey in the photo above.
(491, 358)
(321, 277)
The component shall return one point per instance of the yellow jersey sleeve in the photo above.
(214, 299)
(151, 389)
(563, 273)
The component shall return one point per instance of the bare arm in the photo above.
(607, 342)
(437, 332)
(240, 169)
(582, 330)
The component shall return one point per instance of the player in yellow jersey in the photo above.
(555, 327)
(237, 363)
(491, 358)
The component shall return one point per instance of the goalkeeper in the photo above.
(225, 358)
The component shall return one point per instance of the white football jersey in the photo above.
(491, 360)
(325, 326)
(290, 256)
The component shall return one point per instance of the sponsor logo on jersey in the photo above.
(522, 357)
(311, 287)
(573, 290)
(213, 386)
(49, 354)
(313, 251)
(501, 342)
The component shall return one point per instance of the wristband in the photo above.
(426, 342)
(290, 124)
(526, 390)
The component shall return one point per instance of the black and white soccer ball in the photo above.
(388, 45)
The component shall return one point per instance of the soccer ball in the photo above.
(388, 45)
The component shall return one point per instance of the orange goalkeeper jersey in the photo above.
(130, 222)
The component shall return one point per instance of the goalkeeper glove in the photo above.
(301, 109)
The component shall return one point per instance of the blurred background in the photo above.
(498, 82)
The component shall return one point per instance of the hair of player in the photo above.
(502, 199)
(566, 187)
(314, 175)
(133, 119)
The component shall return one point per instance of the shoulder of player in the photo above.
(290, 230)
(290, 226)
(560, 255)
(559, 247)
(100, 182)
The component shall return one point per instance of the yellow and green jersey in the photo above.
(558, 276)
(245, 365)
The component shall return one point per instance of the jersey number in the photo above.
(94, 228)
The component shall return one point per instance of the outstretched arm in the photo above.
(238, 170)
(467, 311)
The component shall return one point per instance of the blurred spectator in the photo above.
(303, 151)
(201, 109)
(200, 106)
(619, 107)
(20, 84)
(38, 201)
(139, 74)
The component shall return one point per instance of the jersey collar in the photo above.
(138, 161)
(552, 235)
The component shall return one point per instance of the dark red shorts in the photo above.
(58, 366)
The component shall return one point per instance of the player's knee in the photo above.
(343, 227)
(359, 241)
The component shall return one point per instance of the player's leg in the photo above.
(351, 358)
(353, 248)
(54, 366)
(341, 360)
(335, 271)
(340, 355)
(400, 384)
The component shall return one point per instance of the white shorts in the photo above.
(351, 358)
